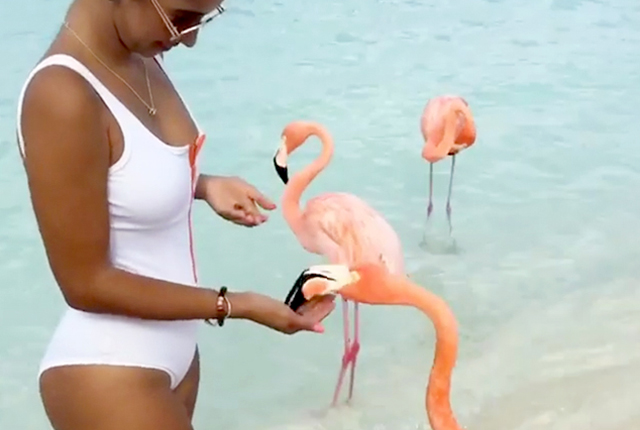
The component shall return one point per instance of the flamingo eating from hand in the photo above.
(447, 127)
(372, 284)
(339, 226)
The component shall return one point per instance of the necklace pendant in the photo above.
(152, 111)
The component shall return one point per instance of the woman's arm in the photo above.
(67, 163)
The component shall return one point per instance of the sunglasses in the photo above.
(175, 33)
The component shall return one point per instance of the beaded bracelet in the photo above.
(220, 307)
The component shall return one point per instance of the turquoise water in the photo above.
(546, 209)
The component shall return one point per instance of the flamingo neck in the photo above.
(299, 182)
(438, 389)
(452, 125)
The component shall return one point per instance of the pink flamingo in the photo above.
(448, 127)
(372, 284)
(339, 226)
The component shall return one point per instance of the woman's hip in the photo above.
(83, 339)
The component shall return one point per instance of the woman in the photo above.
(110, 153)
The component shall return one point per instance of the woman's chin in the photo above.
(154, 50)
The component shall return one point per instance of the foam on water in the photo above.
(545, 280)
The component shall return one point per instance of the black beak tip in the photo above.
(283, 172)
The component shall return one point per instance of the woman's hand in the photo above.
(318, 308)
(234, 199)
(278, 316)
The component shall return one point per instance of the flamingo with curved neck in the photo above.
(339, 226)
(372, 284)
(448, 127)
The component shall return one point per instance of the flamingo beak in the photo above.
(280, 162)
(324, 280)
(312, 282)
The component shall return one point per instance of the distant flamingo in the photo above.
(372, 284)
(339, 226)
(448, 127)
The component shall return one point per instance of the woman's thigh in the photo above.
(187, 390)
(112, 398)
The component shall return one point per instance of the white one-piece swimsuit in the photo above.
(150, 193)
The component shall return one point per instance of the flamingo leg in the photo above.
(351, 350)
(355, 348)
(345, 356)
(453, 165)
(430, 204)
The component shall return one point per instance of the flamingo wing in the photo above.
(352, 232)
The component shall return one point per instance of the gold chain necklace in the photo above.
(150, 108)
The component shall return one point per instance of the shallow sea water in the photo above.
(545, 281)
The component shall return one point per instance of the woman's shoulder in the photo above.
(58, 89)
(59, 105)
